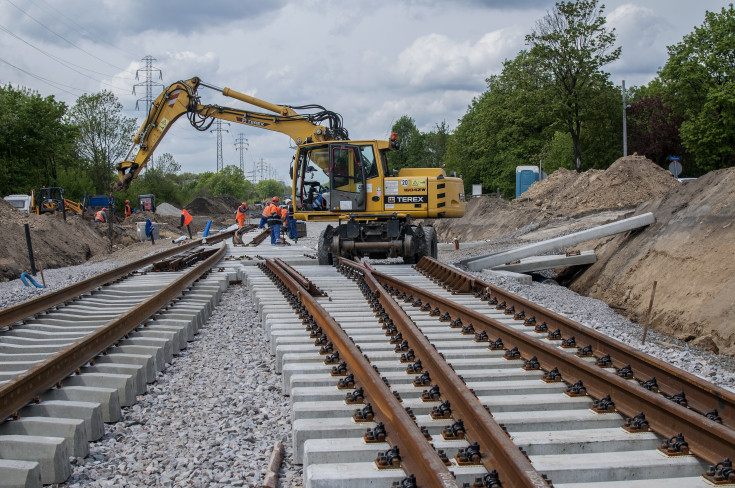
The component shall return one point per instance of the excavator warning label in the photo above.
(406, 199)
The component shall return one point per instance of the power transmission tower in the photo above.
(241, 144)
(149, 70)
(219, 130)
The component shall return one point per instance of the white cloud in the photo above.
(639, 32)
(437, 59)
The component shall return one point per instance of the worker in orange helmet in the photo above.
(273, 215)
(264, 216)
(240, 214)
(128, 210)
(101, 216)
(186, 219)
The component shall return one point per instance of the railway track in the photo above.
(71, 359)
(408, 376)
(450, 380)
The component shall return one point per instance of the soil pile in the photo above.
(688, 251)
(630, 181)
(55, 242)
(217, 206)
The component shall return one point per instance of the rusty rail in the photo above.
(420, 457)
(307, 284)
(707, 438)
(35, 306)
(499, 452)
(18, 392)
(701, 395)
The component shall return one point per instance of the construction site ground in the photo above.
(688, 252)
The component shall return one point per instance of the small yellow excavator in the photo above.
(334, 178)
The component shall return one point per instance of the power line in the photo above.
(79, 27)
(54, 84)
(62, 37)
(64, 63)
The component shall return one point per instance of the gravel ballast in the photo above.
(214, 415)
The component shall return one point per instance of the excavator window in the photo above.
(368, 161)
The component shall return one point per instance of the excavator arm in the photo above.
(182, 98)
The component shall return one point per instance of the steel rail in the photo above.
(418, 456)
(701, 395)
(499, 452)
(18, 392)
(35, 306)
(307, 284)
(707, 439)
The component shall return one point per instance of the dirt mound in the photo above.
(217, 206)
(688, 252)
(55, 242)
(630, 181)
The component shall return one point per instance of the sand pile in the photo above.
(630, 181)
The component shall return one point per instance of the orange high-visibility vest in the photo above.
(187, 217)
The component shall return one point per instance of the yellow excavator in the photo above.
(334, 178)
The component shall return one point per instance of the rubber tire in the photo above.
(323, 257)
(430, 240)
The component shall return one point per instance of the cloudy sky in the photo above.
(370, 61)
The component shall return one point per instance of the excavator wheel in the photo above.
(323, 256)
(430, 240)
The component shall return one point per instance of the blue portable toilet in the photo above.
(525, 177)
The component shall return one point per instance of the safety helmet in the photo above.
(104, 208)
(275, 199)
(288, 200)
(244, 203)
(127, 201)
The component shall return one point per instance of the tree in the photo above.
(572, 45)
(412, 152)
(506, 126)
(104, 135)
(35, 141)
(436, 144)
(653, 127)
(166, 164)
(698, 85)
(269, 189)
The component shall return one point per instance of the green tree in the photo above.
(166, 164)
(104, 135)
(558, 153)
(436, 144)
(35, 140)
(572, 45)
(413, 151)
(269, 189)
(507, 126)
(698, 85)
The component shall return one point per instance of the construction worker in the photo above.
(101, 216)
(273, 216)
(128, 210)
(266, 212)
(291, 222)
(186, 219)
(240, 214)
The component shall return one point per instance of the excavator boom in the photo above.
(182, 98)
